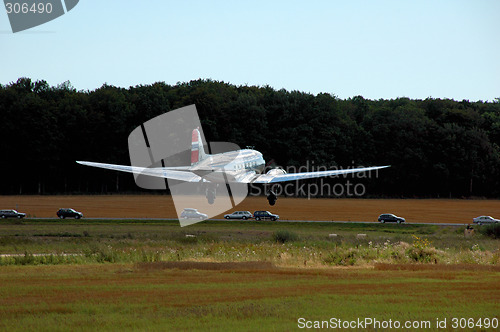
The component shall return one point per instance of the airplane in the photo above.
(240, 166)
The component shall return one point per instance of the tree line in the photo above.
(436, 147)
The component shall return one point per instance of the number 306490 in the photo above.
(462, 323)
(24, 8)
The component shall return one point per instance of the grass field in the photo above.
(160, 297)
(160, 206)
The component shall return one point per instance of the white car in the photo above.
(485, 220)
(239, 215)
(189, 213)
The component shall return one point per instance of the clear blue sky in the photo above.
(377, 49)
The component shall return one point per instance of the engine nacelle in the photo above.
(276, 171)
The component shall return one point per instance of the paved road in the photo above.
(39, 255)
(281, 221)
(375, 222)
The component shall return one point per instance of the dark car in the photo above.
(389, 217)
(263, 215)
(11, 214)
(69, 213)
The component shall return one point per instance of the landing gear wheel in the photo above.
(272, 198)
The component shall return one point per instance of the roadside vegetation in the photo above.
(285, 245)
(492, 231)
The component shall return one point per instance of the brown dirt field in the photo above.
(435, 267)
(161, 206)
(209, 266)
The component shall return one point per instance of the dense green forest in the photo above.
(437, 148)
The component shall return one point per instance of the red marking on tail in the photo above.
(194, 157)
(195, 153)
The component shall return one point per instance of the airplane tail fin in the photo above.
(197, 149)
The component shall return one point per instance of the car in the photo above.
(389, 217)
(69, 213)
(189, 213)
(263, 215)
(485, 220)
(11, 214)
(239, 215)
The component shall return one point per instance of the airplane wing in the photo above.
(173, 173)
(273, 178)
(180, 173)
(187, 173)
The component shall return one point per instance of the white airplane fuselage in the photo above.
(243, 164)
(246, 159)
